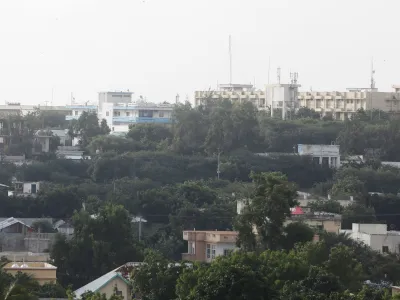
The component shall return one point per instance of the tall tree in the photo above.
(261, 222)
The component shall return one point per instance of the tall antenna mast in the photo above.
(278, 73)
(372, 74)
(230, 60)
(269, 67)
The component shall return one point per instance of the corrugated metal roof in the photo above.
(95, 285)
(10, 221)
(29, 221)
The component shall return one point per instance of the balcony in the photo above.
(188, 257)
(69, 118)
(140, 120)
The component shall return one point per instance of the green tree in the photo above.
(233, 277)
(267, 210)
(87, 127)
(100, 244)
(157, 277)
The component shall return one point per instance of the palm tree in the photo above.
(19, 287)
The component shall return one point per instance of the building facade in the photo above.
(342, 105)
(40, 271)
(205, 246)
(376, 236)
(76, 110)
(282, 97)
(328, 155)
(237, 93)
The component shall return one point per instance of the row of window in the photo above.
(142, 114)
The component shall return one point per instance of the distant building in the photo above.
(318, 220)
(64, 227)
(109, 284)
(17, 108)
(328, 155)
(118, 109)
(376, 236)
(40, 271)
(76, 110)
(342, 105)
(236, 93)
(12, 225)
(205, 246)
(21, 188)
(283, 97)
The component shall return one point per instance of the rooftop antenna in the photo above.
(230, 60)
(269, 67)
(177, 99)
(278, 73)
(372, 74)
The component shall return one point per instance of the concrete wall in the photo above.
(121, 285)
(370, 228)
(28, 243)
(219, 251)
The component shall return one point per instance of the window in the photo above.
(192, 248)
(385, 249)
(208, 251)
(107, 113)
(117, 113)
(128, 114)
(145, 113)
(227, 252)
(76, 112)
(161, 114)
(212, 251)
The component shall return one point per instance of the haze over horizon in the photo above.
(161, 48)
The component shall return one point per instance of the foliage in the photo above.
(266, 211)
(99, 244)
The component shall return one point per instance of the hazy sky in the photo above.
(158, 48)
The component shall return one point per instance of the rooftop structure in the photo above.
(13, 225)
(237, 93)
(376, 236)
(207, 245)
(41, 271)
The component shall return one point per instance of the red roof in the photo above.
(297, 210)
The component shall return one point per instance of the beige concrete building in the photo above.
(41, 271)
(205, 246)
(342, 105)
(237, 93)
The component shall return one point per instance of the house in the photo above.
(376, 236)
(70, 152)
(109, 284)
(65, 139)
(24, 188)
(41, 271)
(64, 227)
(328, 155)
(319, 220)
(12, 225)
(205, 246)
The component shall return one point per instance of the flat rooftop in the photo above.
(28, 265)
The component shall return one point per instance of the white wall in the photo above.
(220, 247)
(370, 228)
(380, 240)
(28, 185)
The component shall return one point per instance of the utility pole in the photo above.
(218, 169)
(140, 228)
(230, 60)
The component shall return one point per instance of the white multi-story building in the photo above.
(323, 154)
(342, 105)
(376, 236)
(76, 110)
(237, 93)
(118, 109)
(17, 109)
